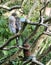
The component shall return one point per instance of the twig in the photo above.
(13, 47)
(44, 6)
(42, 9)
(10, 39)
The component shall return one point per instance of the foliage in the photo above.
(5, 32)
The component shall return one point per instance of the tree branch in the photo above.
(45, 6)
(13, 47)
(37, 26)
(9, 9)
(47, 33)
(33, 60)
(10, 39)
(36, 23)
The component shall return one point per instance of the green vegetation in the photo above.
(5, 33)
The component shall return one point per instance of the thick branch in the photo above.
(47, 33)
(36, 23)
(8, 8)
